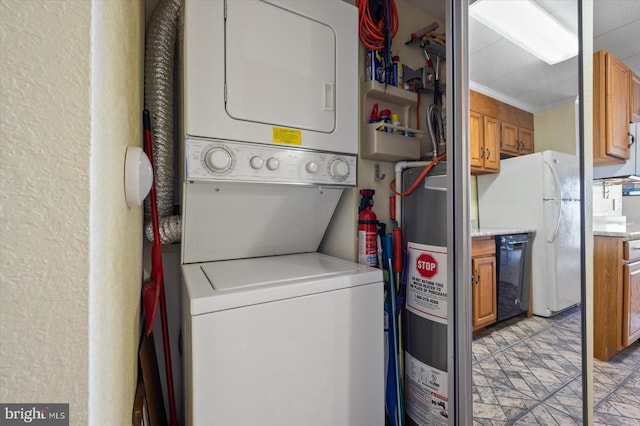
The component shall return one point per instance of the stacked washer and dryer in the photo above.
(274, 332)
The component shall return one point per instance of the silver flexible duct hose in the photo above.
(160, 49)
(170, 228)
(437, 135)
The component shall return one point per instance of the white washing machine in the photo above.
(283, 340)
(275, 334)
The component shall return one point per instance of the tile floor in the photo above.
(527, 371)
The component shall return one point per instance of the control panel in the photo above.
(215, 160)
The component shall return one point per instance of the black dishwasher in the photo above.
(513, 277)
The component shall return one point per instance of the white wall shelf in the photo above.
(387, 145)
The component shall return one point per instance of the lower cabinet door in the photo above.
(631, 317)
(484, 291)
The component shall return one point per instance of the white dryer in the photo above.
(281, 72)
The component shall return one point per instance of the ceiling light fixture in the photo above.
(529, 26)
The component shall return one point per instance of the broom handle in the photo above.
(157, 262)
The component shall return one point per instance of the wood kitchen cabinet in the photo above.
(611, 112)
(511, 130)
(484, 142)
(483, 279)
(616, 295)
(476, 140)
(634, 99)
(631, 293)
(515, 140)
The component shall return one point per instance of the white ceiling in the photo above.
(501, 69)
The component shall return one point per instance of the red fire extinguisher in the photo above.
(367, 229)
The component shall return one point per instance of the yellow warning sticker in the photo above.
(287, 136)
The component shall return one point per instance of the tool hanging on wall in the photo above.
(378, 25)
(378, 22)
(393, 397)
(418, 35)
(151, 287)
(433, 46)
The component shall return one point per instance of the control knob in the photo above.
(312, 167)
(256, 162)
(218, 159)
(339, 169)
(273, 163)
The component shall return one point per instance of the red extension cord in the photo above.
(372, 34)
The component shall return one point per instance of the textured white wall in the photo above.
(115, 230)
(69, 248)
(45, 99)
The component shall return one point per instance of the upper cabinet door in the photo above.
(617, 107)
(476, 140)
(280, 67)
(634, 99)
(491, 143)
(526, 140)
(509, 142)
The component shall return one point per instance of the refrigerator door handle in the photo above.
(558, 217)
(557, 181)
(555, 178)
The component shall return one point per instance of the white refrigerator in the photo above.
(540, 191)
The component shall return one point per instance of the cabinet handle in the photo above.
(477, 279)
(482, 153)
(488, 153)
(633, 140)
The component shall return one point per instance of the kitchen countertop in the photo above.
(491, 232)
(630, 231)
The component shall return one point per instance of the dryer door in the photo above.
(280, 66)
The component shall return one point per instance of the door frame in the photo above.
(458, 209)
